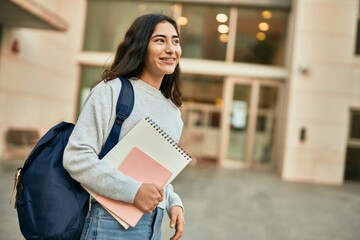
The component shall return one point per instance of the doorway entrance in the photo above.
(249, 118)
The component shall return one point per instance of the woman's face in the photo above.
(163, 51)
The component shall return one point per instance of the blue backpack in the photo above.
(50, 204)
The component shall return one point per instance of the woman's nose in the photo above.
(169, 48)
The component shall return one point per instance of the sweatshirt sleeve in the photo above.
(81, 153)
(172, 199)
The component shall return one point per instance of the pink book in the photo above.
(142, 168)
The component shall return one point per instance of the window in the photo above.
(260, 36)
(355, 125)
(204, 29)
(107, 21)
(352, 167)
(201, 88)
(200, 37)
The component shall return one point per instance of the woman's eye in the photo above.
(176, 41)
(160, 40)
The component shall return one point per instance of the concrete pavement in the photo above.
(242, 204)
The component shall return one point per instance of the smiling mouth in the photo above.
(167, 59)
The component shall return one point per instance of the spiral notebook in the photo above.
(152, 140)
(164, 161)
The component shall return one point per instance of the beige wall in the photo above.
(324, 42)
(38, 85)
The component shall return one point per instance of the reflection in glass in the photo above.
(266, 46)
(239, 116)
(265, 125)
(201, 88)
(200, 136)
(200, 37)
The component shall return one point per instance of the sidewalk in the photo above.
(243, 204)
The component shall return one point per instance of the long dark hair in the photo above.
(130, 55)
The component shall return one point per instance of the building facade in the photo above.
(271, 85)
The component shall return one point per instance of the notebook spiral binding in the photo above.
(168, 138)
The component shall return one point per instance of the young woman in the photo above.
(148, 56)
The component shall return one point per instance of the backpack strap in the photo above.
(124, 107)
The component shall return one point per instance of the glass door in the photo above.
(249, 122)
(239, 123)
(264, 139)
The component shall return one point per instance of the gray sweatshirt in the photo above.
(93, 127)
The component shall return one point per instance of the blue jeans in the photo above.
(100, 225)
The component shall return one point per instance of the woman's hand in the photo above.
(148, 197)
(177, 221)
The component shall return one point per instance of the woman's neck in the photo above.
(151, 80)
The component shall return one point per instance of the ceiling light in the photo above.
(222, 28)
(266, 14)
(263, 26)
(221, 18)
(224, 38)
(260, 36)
